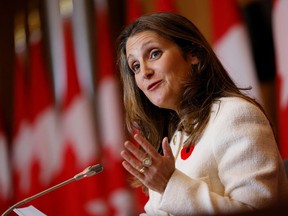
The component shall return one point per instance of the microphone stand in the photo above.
(89, 171)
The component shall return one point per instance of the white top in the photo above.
(234, 167)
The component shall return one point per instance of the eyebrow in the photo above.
(143, 46)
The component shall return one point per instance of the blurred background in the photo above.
(60, 96)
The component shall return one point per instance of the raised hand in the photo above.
(151, 168)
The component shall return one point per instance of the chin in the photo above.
(161, 103)
(162, 106)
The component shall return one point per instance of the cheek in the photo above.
(138, 83)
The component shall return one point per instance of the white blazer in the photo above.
(235, 166)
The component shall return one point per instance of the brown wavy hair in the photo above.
(208, 81)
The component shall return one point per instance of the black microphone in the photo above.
(89, 171)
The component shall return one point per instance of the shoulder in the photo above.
(234, 108)
(240, 124)
(231, 104)
(236, 119)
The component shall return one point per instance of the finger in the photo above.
(134, 150)
(146, 145)
(166, 148)
(132, 170)
(136, 164)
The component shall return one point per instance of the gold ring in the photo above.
(147, 162)
(142, 170)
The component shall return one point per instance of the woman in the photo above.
(204, 147)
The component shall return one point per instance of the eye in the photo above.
(155, 53)
(135, 67)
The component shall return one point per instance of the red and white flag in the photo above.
(5, 176)
(21, 133)
(280, 33)
(231, 44)
(79, 145)
(44, 124)
(35, 137)
(110, 119)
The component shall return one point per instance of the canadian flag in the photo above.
(44, 124)
(35, 137)
(79, 146)
(280, 33)
(231, 44)
(5, 177)
(21, 135)
(110, 121)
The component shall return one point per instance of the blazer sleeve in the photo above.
(248, 163)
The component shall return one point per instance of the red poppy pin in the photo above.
(186, 152)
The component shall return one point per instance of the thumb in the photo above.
(166, 148)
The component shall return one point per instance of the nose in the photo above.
(147, 71)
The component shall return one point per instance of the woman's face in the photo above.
(159, 66)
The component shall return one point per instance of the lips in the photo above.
(153, 85)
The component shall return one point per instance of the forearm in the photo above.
(188, 196)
